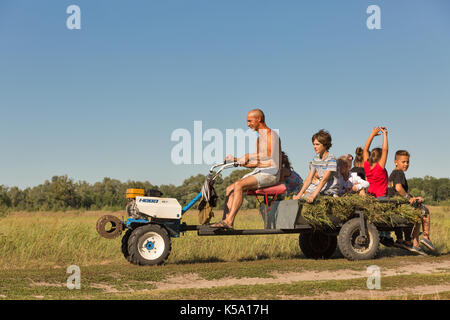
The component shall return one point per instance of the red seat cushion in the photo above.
(270, 191)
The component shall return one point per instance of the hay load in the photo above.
(330, 211)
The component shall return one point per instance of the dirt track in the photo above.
(193, 281)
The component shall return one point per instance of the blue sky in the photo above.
(103, 101)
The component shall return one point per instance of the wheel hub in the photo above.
(361, 240)
(150, 245)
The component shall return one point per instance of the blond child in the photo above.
(349, 182)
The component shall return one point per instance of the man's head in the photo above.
(321, 141)
(255, 119)
(401, 160)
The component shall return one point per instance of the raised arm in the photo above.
(374, 133)
(384, 148)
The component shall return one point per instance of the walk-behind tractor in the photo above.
(154, 220)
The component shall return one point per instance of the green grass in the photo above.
(36, 249)
(40, 240)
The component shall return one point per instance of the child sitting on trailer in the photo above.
(324, 163)
(398, 186)
(289, 177)
(358, 163)
(375, 163)
(349, 182)
(376, 174)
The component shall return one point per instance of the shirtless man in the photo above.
(266, 161)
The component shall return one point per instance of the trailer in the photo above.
(154, 221)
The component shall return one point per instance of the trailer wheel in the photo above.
(149, 245)
(353, 246)
(317, 245)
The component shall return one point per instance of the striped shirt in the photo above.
(323, 165)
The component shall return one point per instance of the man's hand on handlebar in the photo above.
(230, 158)
(237, 162)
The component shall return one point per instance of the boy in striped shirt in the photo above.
(324, 165)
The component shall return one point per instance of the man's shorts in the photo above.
(264, 179)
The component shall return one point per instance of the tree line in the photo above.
(61, 193)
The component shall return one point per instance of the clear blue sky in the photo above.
(103, 101)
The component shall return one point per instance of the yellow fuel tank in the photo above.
(133, 193)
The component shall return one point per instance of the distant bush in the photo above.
(433, 190)
(61, 193)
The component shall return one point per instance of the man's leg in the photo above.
(228, 200)
(240, 187)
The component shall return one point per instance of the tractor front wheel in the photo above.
(149, 245)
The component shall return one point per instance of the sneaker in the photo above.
(428, 244)
(418, 250)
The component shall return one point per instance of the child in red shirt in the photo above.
(376, 174)
(374, 164)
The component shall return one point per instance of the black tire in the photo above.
(317, 245)
(351, 245)
(149, 245)
(124, 248)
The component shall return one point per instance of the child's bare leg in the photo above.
(362, 192)
(426, 224)
(415, 235)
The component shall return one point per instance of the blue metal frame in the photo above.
(129, 221)
(190, 204)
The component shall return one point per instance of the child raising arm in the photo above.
(375, 163)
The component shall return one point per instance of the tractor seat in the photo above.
(268, 191)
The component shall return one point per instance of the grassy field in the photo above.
(36, 249)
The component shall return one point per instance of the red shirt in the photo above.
(377, 178)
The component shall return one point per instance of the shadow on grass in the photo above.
(385, 252)
(199, 260)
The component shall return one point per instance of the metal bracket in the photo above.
(362, 221)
